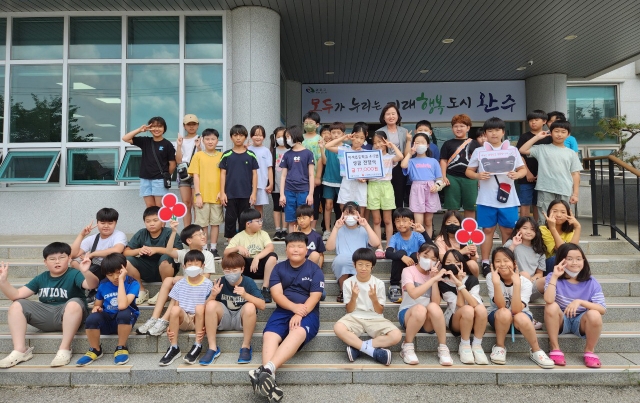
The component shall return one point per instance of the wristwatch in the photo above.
(198, 194)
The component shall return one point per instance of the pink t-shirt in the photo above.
(413, 275)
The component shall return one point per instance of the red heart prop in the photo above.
(169, 200)
(165, 214)
(462, 237)
(179, 210)
(469, 224)
(477, 237)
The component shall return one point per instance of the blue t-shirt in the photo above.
(571, 143)
(435, 151)
(423, 169)
(232, 300)
(108, 292)
(297, 164)
(315, 243)
(410, 245)
(331, 169)
(298, 283)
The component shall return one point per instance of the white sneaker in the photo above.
(143, 296)
(466, 355)
(144, 329)
(408, 354)
(326, 235)
(16, 357)
(159, 327)
(479, 356)
(153, 300)
(498, 355)
(537, 325)
(62, 358)
(541, 358)
(444, 356)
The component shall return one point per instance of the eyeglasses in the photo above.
(57, 259)
(259, 221)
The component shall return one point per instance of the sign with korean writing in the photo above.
(436, 102)
(497, 162)
(363, 164)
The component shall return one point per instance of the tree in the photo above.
(618, 128)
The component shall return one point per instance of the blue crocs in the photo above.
(210, 356)
(245, 355)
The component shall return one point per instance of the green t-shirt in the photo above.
(312, 145)
(143, 238)
(58, 290)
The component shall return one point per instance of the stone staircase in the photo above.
(615, 264)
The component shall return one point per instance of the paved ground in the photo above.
(337, 393)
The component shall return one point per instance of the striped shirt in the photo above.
(567, 292)
(190, 295)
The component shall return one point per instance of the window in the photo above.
(3, 38)
(94, 102)
(95, 38)
(203, 37)
(586, 106)
(153, 38)
(203, 94)
(36, 103)
(37, 38)
(29, 166)
(130, 168)
(92, 166)
(1, 103)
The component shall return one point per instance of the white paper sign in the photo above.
(497, 162)
(436, 102)
(363, 164)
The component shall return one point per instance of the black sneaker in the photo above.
(266, 294)
(193, 354)
(395, 294)
(214, 252)
(254, 376)
(268, 387)
(486, 269)
(276, 236)
(170, 356)
(91, 298)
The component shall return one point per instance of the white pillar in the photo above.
(547, 92)
(255, 72)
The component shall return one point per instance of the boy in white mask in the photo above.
(191, 294)
(232, 306)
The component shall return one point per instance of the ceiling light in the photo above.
(448, 40)
(424, 71)
(82, 86)
(329, 72)
(329, 43)
(570, 37)
(521, 68)
(109, 100)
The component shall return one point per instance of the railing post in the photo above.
(612, 199)
(594, 198)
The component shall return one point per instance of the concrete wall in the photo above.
(547, 92)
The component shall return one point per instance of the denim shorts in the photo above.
(294, 199)
(527, 194)
(572, 325)
(152, 187)
(401, 316)
(490, 216)
(492, 319)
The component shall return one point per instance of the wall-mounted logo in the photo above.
(312, 90)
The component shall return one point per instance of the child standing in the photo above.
(297, 176)
(312, 141)
(238, 180)
(510, 293)
(206, 182)
(278, 147)
(494, 187)
(364, 298)
(426, 181)
(558, 166)
(379, 190)
(562, 227)
(570, 142)
(420, 309)
(446, 240)
(158, 159)
(315, 245)
(187, 148)
(331, 179)
(118, 316)
(454, 158)
(575, 304)
(265, 164)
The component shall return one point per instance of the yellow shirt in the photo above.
(254, 243)
(550, 243)
(206, 166)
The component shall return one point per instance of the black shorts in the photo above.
(276, 202)
(259, 274)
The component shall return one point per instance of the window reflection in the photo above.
(203, 37)
(203, 94)
(3, 38)
(153, 38)
(37, 38)
(586, 105)
(95, 38)
(93, 166)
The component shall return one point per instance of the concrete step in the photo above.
(325, 368)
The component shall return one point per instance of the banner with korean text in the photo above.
(436, 102)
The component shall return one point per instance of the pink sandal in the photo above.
(557, 356)
(591, 360)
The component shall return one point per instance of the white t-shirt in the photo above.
(118, 237)
(209, 266)
(387, 167)
(265, 160)
(187, 148)
(525, 293)
(364, 306)
(488, 189)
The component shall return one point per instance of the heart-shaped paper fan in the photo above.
(477, 237)
(179, 210)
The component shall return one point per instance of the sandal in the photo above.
(340, 298)
(557, 356)
(591, 360)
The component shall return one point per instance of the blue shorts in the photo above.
(108, 322)
(152, 187)
(490, 216)
(294, 199)
(572, 325)
(492, 319)
(527, 194)
(401, 315)
(278, 323)
(330, 192)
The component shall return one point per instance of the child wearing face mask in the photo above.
(278, 147)
(190, 294)
(446, 240)
(232, 306)
(510, 293)
(350, 232)
(426, 181)
(574, 304)
(465, 311)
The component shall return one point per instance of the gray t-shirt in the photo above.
(528, 261)
(555, 166)
(399, 138)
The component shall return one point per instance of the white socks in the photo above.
(271, 368)
(367, 348)
(465, 342)
(476, 342)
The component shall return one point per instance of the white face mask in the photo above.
(572, 274)
(350, 220)
(289, 142)
(421, 149)
(192, 271)
(280, 141)
(425, 263)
